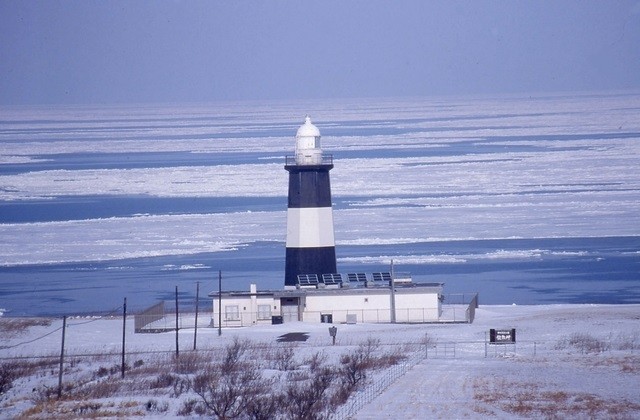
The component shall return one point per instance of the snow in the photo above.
(474, 382)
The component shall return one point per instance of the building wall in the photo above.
(369, 306)
(245, 310)
(411, 306)
(414, 307)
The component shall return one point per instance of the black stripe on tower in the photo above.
(309, 186)
(309, 261)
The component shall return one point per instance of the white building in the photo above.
(374, 301)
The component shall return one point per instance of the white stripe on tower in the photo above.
(310, 227)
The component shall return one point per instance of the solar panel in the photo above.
(333, 278)
(308, 279)
(355, 277)
(382, 277)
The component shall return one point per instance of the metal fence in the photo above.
(459, 307)
(376, 387)
(158, 318)
(148, 317)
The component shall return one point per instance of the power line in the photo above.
(31, 341)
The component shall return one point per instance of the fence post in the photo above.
(485, 345)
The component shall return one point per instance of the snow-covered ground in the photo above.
(570, 361)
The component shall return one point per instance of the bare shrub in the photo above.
(316, 361)
(11, 371)
(164, 380)
(354, 366)
(387, 360)
(283, 358)
(102, 389)
(101, 372)
(310, 400)
(353, 370)
(628, 341)
(531, 400)
(190, 362)
(369, 347)
(13, 327)
(265, 406)
(583, 342)
(7, 376)
(189, 407)
(234, 353)
(298, 375)
(86, 409)
(587, 343)
(180, 386)
(226, 389)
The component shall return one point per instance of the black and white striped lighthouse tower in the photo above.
(310, 245)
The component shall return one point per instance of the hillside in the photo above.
(573, 361)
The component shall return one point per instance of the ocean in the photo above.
(522, 199)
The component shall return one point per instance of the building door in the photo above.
(290, 309)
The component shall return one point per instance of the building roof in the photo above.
(378, 289)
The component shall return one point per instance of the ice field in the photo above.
(524, 199)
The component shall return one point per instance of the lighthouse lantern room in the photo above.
(308, 150)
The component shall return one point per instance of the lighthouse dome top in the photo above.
(308, 129)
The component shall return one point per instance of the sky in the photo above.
(101, 52)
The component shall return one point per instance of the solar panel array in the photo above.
(355, 279)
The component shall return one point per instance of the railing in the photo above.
(377, 316)
(324, 160)
(447, 314)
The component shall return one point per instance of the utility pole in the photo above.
(64, 328)
(195, 331)
(177, 345)
(124, 328)
(219, 302)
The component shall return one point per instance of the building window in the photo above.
(264, 311)
(231, 313)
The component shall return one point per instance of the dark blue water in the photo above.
(99, 206)
(570, 270)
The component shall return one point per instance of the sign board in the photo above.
(503, 336)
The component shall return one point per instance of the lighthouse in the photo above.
(310, 246)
